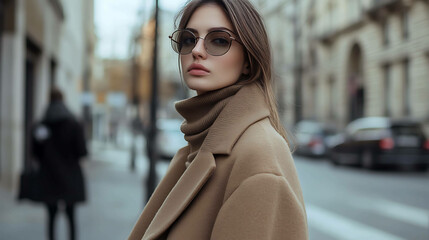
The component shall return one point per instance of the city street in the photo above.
(343, 203)
(353, 203)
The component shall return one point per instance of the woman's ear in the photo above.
(246, 68)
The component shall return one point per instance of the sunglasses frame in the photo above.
(198, 38)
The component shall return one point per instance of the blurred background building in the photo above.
(110, 90)
(44, 43)
(341, 60)
(334, 61)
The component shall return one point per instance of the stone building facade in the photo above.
(44, 43)
(351, 59)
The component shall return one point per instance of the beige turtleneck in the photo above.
(200, 112)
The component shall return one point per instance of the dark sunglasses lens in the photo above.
(183, 42)
(218, 43)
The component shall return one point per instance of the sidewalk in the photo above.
(115, 200)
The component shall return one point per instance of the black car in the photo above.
(377, 141)
(311, 138)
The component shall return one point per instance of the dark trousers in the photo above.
(52, 212)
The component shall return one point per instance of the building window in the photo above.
(406, 87)
(331, 94)
(385, 32)
(387, 78)
(331, 11)
(313, 100)
(405, 22)
(313, 58)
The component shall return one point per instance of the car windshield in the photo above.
(329, 132)
(367, 124)
(414, 130)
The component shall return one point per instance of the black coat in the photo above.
(58, 146)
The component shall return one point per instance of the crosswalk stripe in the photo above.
(408, 214)
(343, 228)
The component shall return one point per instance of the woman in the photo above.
(59, 145)
(236, 178)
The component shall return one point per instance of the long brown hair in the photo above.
(249, 27)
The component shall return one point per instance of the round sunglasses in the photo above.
(216, 43)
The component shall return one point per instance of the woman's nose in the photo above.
(199, 50)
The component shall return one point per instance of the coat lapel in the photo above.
(189, 184)
(174, 172)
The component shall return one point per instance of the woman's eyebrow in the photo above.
(192, 30)
(210, 29)
(220, 28)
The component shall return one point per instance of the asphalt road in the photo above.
(352, 203)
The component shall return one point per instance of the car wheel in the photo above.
(367, 159)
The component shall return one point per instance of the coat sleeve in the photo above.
(264, 206)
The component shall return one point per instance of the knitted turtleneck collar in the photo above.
(215, 120)
(200, 112)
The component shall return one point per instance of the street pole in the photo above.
(2, 7)
(153, 153)
(297, 64)
(136, 127)
(135, 122)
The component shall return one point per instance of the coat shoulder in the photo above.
(261, 150)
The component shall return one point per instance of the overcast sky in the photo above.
(115, 20)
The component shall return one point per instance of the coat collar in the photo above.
(186, 188)
(245, 108)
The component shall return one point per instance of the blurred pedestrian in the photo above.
(236, 179)
(58, 146)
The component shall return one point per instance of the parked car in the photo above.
(311, 138)
(378, 141)
(169, 138)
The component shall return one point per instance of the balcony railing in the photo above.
(378, 9)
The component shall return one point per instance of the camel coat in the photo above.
(242, 184)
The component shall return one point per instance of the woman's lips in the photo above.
(198, 70)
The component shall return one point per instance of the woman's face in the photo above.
(203, 72)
